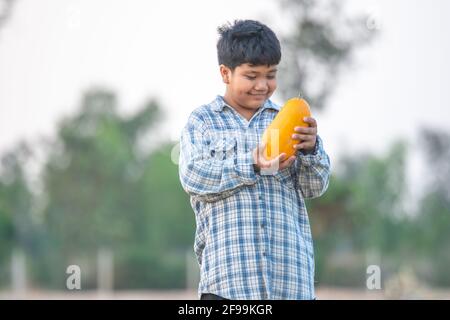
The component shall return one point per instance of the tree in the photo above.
(432, 237)
(90, 178)
(361, 213)
(5, 11)
(321, 44)
(104, 190)
(18, 229)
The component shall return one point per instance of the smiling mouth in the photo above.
(258, 95)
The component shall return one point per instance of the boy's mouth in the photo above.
(258, 95)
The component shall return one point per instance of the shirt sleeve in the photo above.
(210, 175)
(313, 171)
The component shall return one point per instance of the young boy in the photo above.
(253, 239)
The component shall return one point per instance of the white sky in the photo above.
(50, 51)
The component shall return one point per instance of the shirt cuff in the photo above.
(312, 157)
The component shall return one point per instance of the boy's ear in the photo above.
(225, 72)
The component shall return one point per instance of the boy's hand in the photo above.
(279, 163)
(307, 136)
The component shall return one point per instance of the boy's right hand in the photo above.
(270, 166)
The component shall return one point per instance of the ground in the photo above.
(321, 293)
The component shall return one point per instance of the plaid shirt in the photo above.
(253, 239)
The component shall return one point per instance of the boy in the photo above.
(253, 239)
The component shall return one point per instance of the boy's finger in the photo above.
(281, 157)
(312, 122)
(288, 159)
(300, 146)
(301, 137)
(305, 146)
(306, 130)
(287, 163)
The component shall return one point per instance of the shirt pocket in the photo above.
(222, 148)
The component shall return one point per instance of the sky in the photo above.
(52, 51)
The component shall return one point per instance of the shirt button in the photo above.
(262, 225)
(260, 197)
(264, 253)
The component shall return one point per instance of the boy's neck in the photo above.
(247, 113)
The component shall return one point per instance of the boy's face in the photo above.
(248, 86)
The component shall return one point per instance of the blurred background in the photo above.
(93, 97)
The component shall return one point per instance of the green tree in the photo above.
(104, 190)
(319, 48)
(168, 229)
(91, 177)
(360, 213)
(18, 229)
(432, 237)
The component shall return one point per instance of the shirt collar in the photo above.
(219, 103)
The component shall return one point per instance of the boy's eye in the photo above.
(271, 77)
(250, 77)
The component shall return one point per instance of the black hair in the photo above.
(247, 41)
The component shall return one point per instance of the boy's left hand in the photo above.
(307, 136)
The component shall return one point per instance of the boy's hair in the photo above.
(247, 41)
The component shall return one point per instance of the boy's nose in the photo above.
(261, 85)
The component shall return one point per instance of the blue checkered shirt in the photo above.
(253, 239)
